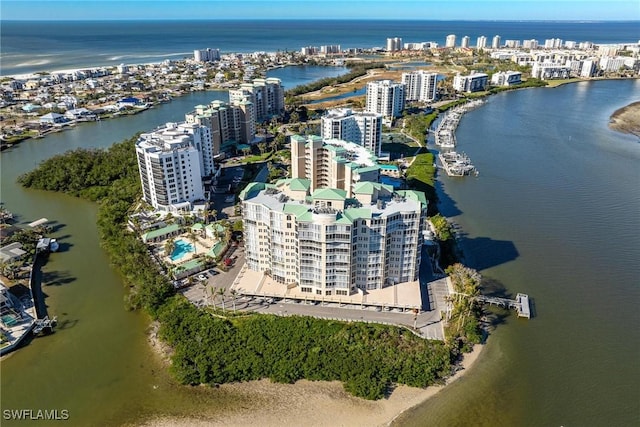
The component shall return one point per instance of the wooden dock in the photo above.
(520, 304)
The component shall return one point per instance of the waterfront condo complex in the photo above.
(385, 97)
(420, 86)
(266, 96)
(332, 163)
(327, 243)
(363, 128)
(172, 160)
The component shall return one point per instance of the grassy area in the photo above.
(399, 148)
(256, 158)
(421, 176)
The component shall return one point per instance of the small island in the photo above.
(627, 119)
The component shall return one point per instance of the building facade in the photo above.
(206, 55)
(474, 82)
(385, 97)
(362, 128)
(420, 86)
(328, 244)
(394, 44)
(171, 161)
(229, 124)
(481, 42)
(506, 78)
(332, 163)
(266, 96)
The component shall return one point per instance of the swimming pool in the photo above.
(182, 248)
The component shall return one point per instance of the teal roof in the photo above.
(194, 263)
(161, 232)
(364, 187)
(357, 213)
(297, 138)
(367, 169)
(329, 194)
(300, 184)
(297, 210)
(216, 250)
(243, 146)
(197, 227)
(418, 196)
(343, 220)
(307, 217)
(252, 187)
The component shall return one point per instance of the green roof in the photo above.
(329, 194)
(161, 232)
(343, 220)
(216, 250)
(418, 196)
(368, 169)
(357, 213)
(297, 210)
(194, 263)
(300, 184)
(197, 227)
(251, 188)
(298, 138)
(307, 217)
(364, 187)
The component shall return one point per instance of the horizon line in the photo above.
(320, 19)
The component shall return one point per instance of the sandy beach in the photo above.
(627, 119)
(308, 403)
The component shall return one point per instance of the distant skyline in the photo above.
(550, 10)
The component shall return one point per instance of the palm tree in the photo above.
(214, 214)
(192, 236)
(222, 292)
(212, 293)
(169, 247)
(233, 293)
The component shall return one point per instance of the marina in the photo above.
(445, 133)
(457, 164)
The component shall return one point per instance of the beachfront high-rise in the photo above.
(230, 125)
(206, 55)
(385, 97)
(266, 96)
(495, 43)
(420, 86)
(171, 161)
(325, 243)
(332, 163)
(394, 44)
(362, 128)
(464, 43)
(481, 42)
(450, 41)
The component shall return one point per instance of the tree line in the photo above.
(210, 349)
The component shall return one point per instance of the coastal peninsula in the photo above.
(627, 119)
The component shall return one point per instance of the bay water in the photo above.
(553, 213)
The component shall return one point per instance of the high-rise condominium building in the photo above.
(332, 163)
(362, 128)
(464, 43)
(451, 41)
(206, 55)
(172, 160)
(385, 97)
(481, 42)
(472, 83)
(495, 43)
(530, 44)
(229, 124)
(266, 96)
(420, 86)
(394, 44)
(326, 243)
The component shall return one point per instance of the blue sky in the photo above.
(327, 9)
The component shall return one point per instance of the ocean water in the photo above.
(31, 46)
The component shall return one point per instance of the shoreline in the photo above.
(317, 402)
(626, 119)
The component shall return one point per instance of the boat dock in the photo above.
(457, 164)
(445, 133)
(520, 304)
